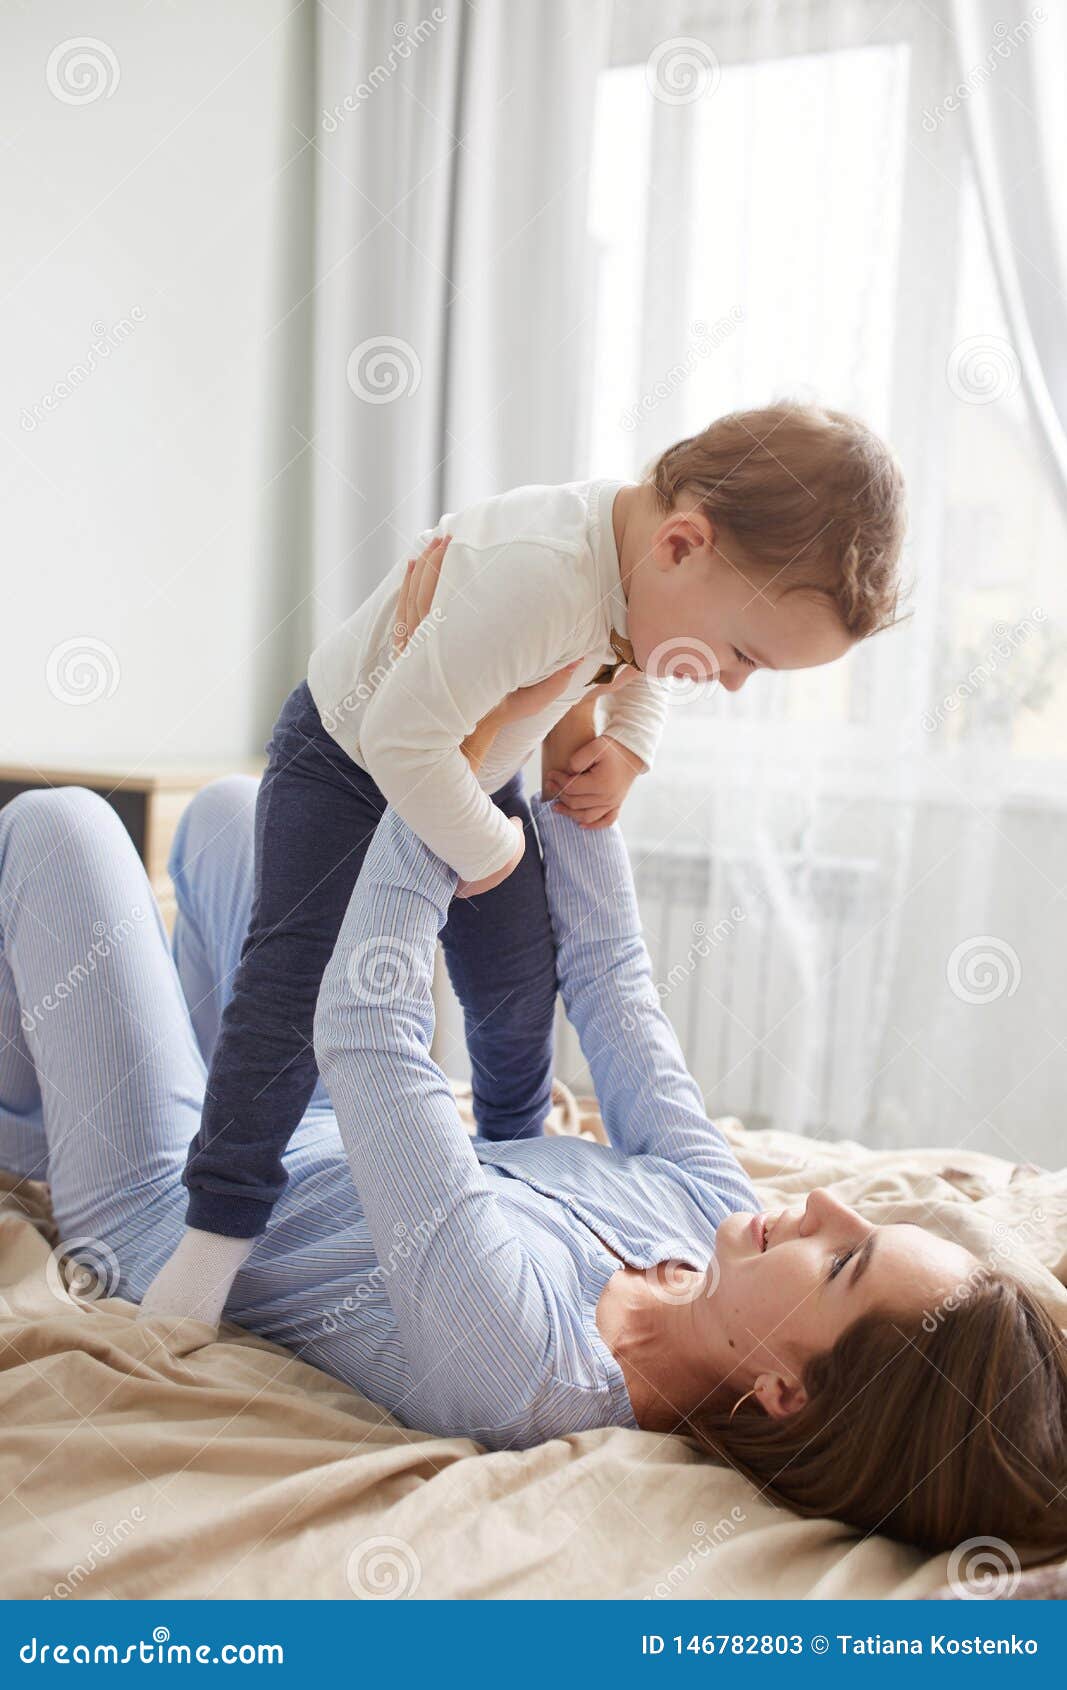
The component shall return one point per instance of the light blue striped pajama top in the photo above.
(459, 1288)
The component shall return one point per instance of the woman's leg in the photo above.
(210, 866)
(502, 963)
(89, 993)
(23, 1146)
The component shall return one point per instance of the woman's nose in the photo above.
(822, 1207)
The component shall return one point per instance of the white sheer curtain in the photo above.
(851, 879)
(1013, 102)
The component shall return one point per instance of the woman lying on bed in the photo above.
(511, 1293)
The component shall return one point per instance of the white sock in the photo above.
(195, 1283)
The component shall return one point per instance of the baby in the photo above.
(769, 541)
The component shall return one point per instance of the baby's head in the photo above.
(773, 541)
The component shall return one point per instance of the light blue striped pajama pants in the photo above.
(104, 1041)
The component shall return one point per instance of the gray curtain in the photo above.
(451, 272)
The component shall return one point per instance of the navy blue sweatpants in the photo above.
(315, 817)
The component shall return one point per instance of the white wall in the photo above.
(145, 518)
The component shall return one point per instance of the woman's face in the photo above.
(790, 1281)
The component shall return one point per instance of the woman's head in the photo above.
(787, 1285)
(907, 1390)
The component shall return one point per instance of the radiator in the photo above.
(771, 969)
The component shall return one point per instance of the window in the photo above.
(758, 243)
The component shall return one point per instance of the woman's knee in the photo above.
(226, 802)
(62, 844)
(51, 819)
(218, 817)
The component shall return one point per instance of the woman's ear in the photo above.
(780, 1397)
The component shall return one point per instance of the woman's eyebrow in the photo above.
(862, 1262)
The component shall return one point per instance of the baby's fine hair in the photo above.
(812, 498)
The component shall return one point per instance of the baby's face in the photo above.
(692, 614)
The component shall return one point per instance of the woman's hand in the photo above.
(415, 602)
(417, 591)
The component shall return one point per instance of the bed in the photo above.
(232, 1469)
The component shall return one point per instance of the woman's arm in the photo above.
(467, 1298)
(649, 1101)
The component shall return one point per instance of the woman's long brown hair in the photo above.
(931, 1433)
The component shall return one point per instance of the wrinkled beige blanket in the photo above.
(131, 1467)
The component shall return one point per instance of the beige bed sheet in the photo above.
(131, 1467)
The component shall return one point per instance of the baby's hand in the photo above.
(594, 782)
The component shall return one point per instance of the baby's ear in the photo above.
(683, 534)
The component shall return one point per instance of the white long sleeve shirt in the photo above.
(529, 583)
